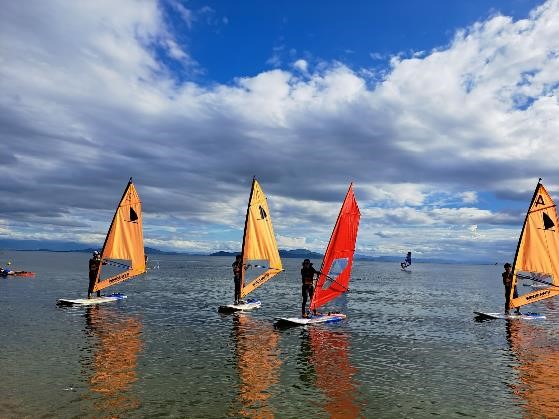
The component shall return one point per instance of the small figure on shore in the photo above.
(507, 282)
(237, 275)
(307, 289)
(94, 264)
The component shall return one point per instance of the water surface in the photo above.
(409, 348)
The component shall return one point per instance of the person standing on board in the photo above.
(94, 264)
(307, 288)
(237, 274)
(507, 282)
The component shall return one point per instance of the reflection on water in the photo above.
(258, 364)
(329, 369)
(112, 368)
(409, 348)
(537, 353)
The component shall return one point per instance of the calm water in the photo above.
(410, 346)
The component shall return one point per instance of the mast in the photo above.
(245, 234)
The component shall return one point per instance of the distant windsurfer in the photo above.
(7, 271)
(406, 262)
(507, 282)
(94, 264)
(237, 277)
(307, 288)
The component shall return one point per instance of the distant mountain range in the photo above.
(60, 246)
(147, 250)
(297, 253)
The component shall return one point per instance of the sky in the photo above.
(443, 114)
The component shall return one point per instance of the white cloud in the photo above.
(87, 102)
(292, 242)
(301, 65)
(186, 14)
(469, 197)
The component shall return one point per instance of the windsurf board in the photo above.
(512, 316)
(91, 301)
(301, 321)
(245, 306)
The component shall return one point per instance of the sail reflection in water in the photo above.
(328, 352)
(258, 364)
(114, 359)
(537, 353)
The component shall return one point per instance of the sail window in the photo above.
(133, 215)
(533, 280)
(263, 214)
(336, 269)
(114, 267)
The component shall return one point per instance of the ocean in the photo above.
(409, 348)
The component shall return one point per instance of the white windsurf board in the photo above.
(90, 301)
(512, 316)
(245, 306)
(301, 321)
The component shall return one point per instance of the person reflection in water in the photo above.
(307, 288)
(507, 282)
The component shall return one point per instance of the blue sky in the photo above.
(239, 39)
(444, 114)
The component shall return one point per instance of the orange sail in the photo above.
(260, 249)
(537, 255)
(124, 244)
(336, 265)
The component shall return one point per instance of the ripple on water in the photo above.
(409, 348)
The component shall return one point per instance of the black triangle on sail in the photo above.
(133, 215)
(262, 213)
(547, 222)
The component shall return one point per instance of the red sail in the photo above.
(337, 262)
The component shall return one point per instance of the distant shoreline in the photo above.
(288, 254)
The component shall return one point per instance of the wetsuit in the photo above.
(507, 282)
(237, 274)
(307, 277)
(94, 264)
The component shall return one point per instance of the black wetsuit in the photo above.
(237, 273)
(507, 282)
(94, 264)
(307, 277)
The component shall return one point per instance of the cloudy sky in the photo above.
(443, 115)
